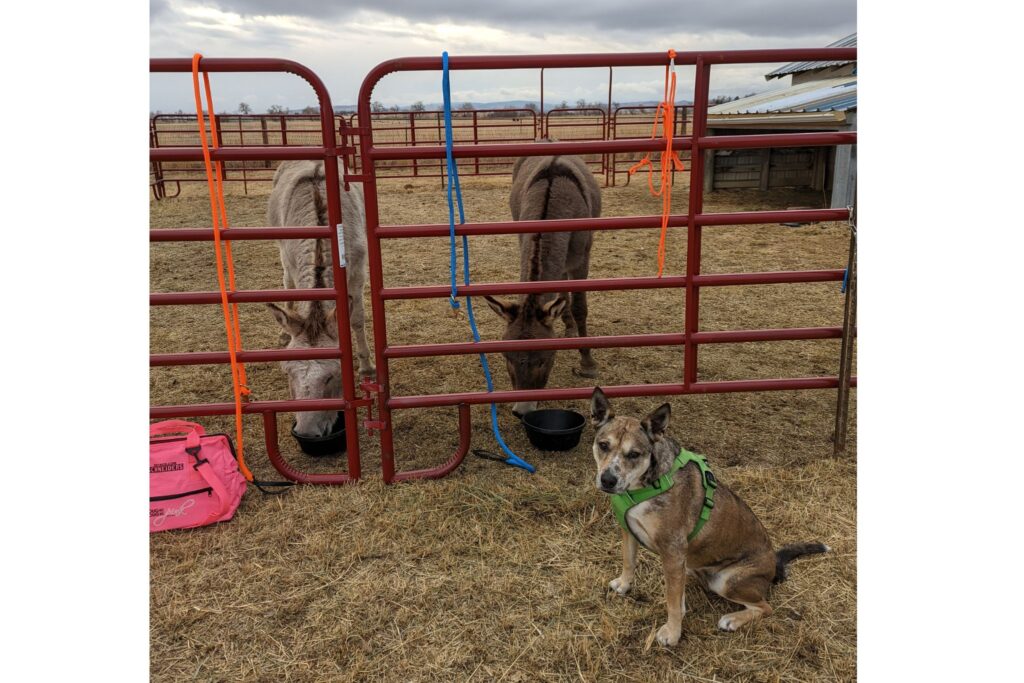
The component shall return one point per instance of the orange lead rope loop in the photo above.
(218, 211)
(669, 157)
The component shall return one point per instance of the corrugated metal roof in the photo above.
(830, 94)
(799, 67)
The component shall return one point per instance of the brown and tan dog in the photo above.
(731, 555)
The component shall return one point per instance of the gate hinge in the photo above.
(371, 388)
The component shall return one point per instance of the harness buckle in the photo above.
(709, 479)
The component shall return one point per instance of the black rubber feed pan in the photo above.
(332, 444)
(554, 429)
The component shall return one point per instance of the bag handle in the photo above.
(192, 430)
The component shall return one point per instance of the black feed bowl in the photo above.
(554, 429)
(332, 444)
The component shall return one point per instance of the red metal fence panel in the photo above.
(690, 337)
(372, 152)
(326, 149)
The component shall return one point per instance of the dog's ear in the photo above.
(656, 423)
(600, 409)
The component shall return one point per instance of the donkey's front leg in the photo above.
(588, 367)
(357, 321)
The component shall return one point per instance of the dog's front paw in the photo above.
(620, 585)
(668, 636)
(730, 622)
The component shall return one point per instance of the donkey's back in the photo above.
(549, 188)
(299, 198)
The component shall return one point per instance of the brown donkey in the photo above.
(551, 187)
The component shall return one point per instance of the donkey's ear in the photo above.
(656, 423)
(506, 311)
(288, 321)
(600, 409)
(552, 311)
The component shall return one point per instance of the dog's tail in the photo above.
(788, 553)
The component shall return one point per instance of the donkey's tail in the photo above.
(791, 551)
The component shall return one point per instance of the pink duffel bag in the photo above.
(193, 479)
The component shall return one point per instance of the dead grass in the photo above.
(492, 574)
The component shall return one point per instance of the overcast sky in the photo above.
(342, 40)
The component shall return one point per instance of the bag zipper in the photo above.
(208, 490)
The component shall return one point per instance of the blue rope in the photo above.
(846, 275)
(453, 186)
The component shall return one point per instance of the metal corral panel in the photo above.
(799, 67)
(832, 94)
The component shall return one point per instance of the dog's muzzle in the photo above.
(607, 482)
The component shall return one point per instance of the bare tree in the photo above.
(377, 107)
(418, 106)
(532, 106)
(276, 109)
(311, 110)
(244, 108)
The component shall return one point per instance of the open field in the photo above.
(492, 574)
(425, 128)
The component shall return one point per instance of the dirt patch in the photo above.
(493, 574)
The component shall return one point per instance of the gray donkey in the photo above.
(299, 198)
(551, 187)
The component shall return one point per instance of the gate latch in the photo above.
(371, 388)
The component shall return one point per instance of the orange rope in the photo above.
(218, 210)
(669, 157)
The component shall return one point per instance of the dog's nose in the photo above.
(608, 480)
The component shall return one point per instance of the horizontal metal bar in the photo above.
(245, 296)
(781, 334)
(525, 149)
(611, 223)
(260, 356)
(568, 394)
(516, 227)
(820, 139)
(622, 145)
(269, 233)
(557, 344)
(613, 284)
(237, 153)
(613, 341)
(774, 278)
(765, 217)
(569, 61)
(593, 285)
(251, 408)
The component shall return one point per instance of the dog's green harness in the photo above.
(622, 502)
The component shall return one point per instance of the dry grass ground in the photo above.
(492, 574)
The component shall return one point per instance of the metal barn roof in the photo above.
(799, 67)
(830, 94)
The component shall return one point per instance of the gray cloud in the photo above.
(343, 41)
(780, 18)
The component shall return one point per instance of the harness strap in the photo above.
(623, 502)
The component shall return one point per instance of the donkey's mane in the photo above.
(315, 323)
(531, 303)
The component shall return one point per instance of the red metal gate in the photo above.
(697, 142)
(327, 151)
(695, 221)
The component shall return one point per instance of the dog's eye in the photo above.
(632, 455)
(603, 445)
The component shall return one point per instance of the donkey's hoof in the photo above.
(589, 373)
